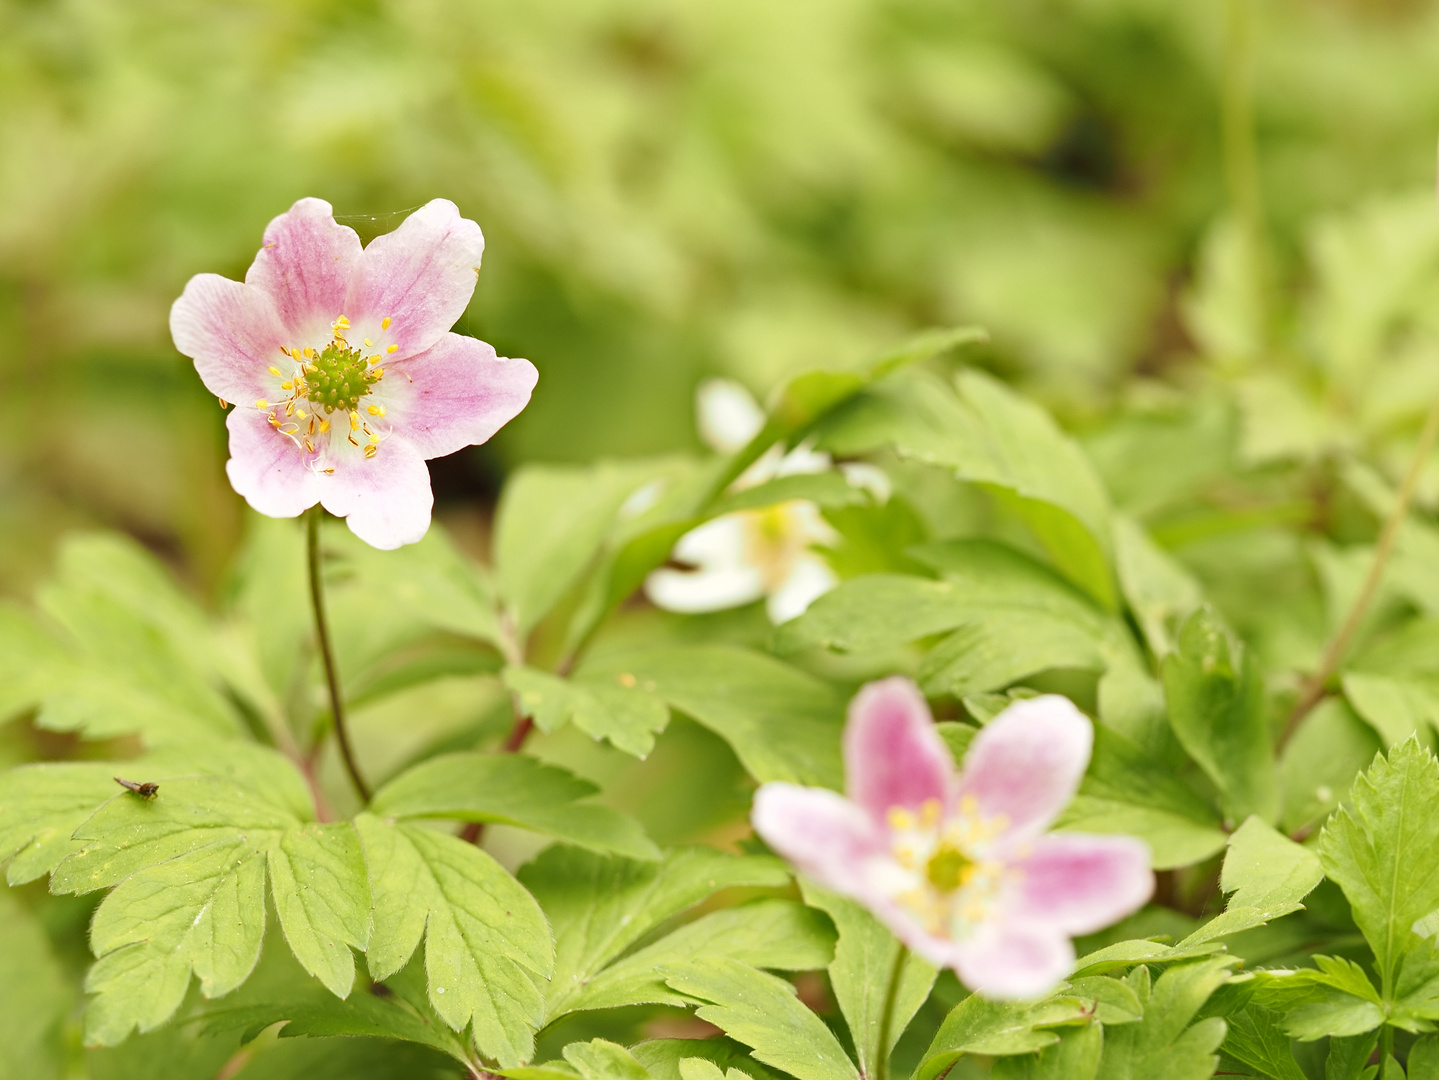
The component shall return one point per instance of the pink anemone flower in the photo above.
(342, 367)
(960, 866)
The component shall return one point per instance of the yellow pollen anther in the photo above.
(301, 413)
(262, 404)
(379, 371)
(309, 446)
(392, 348)
(287, 385)
(354, 421)
(385, 323)
(901, 819)
(374, 438)
(324, 426)
(371, 450)
(369, 344)
(274, 370)
(310, 354)
(375, 410)
(353, 440)
(223, 403)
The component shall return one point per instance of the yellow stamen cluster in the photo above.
(953, 883)
(329, 380)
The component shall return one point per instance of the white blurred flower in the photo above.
(752, 554)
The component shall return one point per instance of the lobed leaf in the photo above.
(601, 708)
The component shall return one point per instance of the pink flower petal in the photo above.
(823, 834)
(1076, 883)
(266, 467)
(305, 266)
(457, 393)
(1013, 962)
(893, 756)
(421, 276)
(231, 331)
(386, 500)
(1027, 763)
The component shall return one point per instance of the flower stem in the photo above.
(327, 655)
(1314, 688)
(886, 1016)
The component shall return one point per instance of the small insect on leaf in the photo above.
(145, 791)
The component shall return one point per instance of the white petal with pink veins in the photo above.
(824, 834)
(385, 499)
(231, 331)
(267, 468)
(455, 394)
(1026, 764)
(1078, 883)
(893, 756)
(421, 276)
(305, 266)
(1012, 962)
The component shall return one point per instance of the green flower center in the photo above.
(339, 377)
(948, 868)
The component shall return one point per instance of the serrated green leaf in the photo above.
(41, 806)
(1256, 1038)
(1335, 998)
(549, 525)
(601, 708)
(600, 907)
(978, 1025)
(482, 932)
(765, 1014)
(600, 1059)
(35, 996)
(1074, 1057)
(778, 935)
(997, 649)
(322, 896)
(1372, 847)
(991, 437)
(1166, 1042)
(864, 959)
(782, 723)
(1269, 875)
(663, 1057)
(1348, 1058)
(1216, 708)
(511, 789)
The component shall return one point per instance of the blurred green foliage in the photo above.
(673, 189)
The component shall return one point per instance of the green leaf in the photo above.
(778, 935)
(990, 436)
(188, 868)
(765, 1014)
(1127, 791)
(1074, 1057)
(600, 907)
(1269, 875)
(978, 1025)
(1372, 847)
(1349, 1058)
(41, 806)
(1335, 998)
(35, 996)
(1000, 648)
(824, 489)
(1216, 707)
(511, 789)
(1160, 592)
(549, 525)
(1166, 1042)
(1423, 1059)
(663, 1057)
(859, 975)
(1319, 765)
(1394, 707)
(347, 1059)
(1256, 1038)
(483, 932)
(322, 896)
(783, 723)
(601, 708)
(603, 1060)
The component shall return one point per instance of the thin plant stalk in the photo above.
(1314, 689)
(886, 1016)
(327, 656)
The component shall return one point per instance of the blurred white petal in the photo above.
(804, 459)
(642, 499)
(867, 477)
(718, 543)
(729, 416)
(808, 524)
(704, 590)
(810, 579)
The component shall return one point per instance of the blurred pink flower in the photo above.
(342, 366)
(960, 867)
